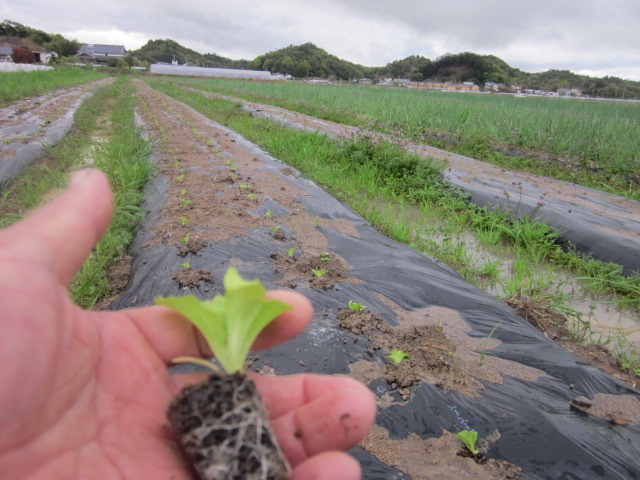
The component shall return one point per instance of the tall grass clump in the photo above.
(15, 86)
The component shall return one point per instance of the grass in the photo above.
(121, 154)
(18, 85)
(593, 143)
(400, 193)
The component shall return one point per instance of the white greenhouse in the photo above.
(166, 69)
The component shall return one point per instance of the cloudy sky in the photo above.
(592, 37)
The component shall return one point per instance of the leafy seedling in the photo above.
(251, 196)
(325, 257)
(469, 438)
(356, 307)
(318, 273)
(183, 191)
(184, 220)
(291, 251)
(275, 228)
(185, 202)
(185, 239)
(180, 178)
(244, 186)
(221, 423)
(268, 214)
(187, 264)
(397, 355)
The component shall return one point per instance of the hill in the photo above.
(167, 50)
(308, 61)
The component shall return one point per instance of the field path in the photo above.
(28, 124)
(597, 223)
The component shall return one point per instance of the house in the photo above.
(5, 54)
(40, 53)
(100, 54)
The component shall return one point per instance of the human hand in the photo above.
(83, 393)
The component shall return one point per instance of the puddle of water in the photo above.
(605, 317)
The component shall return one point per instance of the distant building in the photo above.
(100, 54)
(40, 54)
(493, 86)
(167, 69)
(5, 54)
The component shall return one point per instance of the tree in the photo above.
(62, 46)
(22, 55)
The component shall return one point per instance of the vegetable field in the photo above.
(363, 218)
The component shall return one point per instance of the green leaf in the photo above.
(469, 438)
(230, 323)
(397, 355)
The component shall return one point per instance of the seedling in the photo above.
(274, 228)
(251, 196)
(185, 239)
(185, 202)
(324, 257)
(318, 273)
(469, 438)
(268, 214)
(184, 220)
(183, 191)
(397, 355)
(244, 186)
(291, 251)
(180, 178)
(356, 307)
(187, 264)
(486, 341)
(227, 401)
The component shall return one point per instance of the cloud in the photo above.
(579, 35)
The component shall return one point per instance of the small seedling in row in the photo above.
(187, 264)
(184, 220)
(227, 401)
(244, 186)
(275, 228)
(318, 273)
(180, 178)
(251, 196)
(397, 355)
(356, 307)
(176, 163)
(185, 202)
(469, 438)
(185, 239)
(484, 345)
(183, 191)
(324, 257)
(291, 251)
(268, 214)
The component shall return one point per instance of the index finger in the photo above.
(60, 235)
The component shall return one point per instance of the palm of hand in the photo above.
(83, 394)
